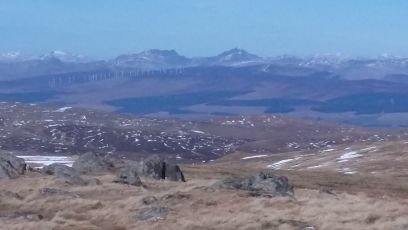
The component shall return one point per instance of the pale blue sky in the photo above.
(105, 28)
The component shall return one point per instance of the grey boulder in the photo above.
(57, 192)
(153, 167)
(261, 184)
(61, 171)
(19, 216)
(11, 166)
(156, 167)
(152, 213)
(92, 162)
(128, 175)
(173, 173)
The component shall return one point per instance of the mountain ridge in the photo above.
(156, 59)
(235, 82)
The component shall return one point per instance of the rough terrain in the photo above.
(321, 201)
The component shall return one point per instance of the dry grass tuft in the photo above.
(194, 205)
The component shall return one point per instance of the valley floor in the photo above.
(322, 201)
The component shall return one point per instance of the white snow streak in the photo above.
(256, 156)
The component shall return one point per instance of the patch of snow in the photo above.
(59, 52)
(42, 161)
(256, 156)
(197, 131)
(278, 164)
(346, 171)
(347, 156)
(328, 150)
(315, 167)
(63, 109)
(373, 148)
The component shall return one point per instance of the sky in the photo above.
(106, 28)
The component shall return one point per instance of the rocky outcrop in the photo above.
(156, 167)
(19, 216)
(93, 163)
(149, 200)
(153, 167)
(173, 173)
(261, 184)
(11, 166)
(66, 173)
(128, 175)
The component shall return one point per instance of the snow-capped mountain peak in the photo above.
(58, 52)
(64, 56)
(152, 59)
(162, 53)
(12, 56)
(236, 54)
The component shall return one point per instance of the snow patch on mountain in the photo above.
(64, 56)
(12, 56)
(347, 156)
(256, 156)
(279, 164)
(63, 109)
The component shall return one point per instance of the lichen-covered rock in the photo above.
(11, 166)
(21, 216)
(61, 171)
(261, 184)
(156, 167)
(128, 175)
(173, 173)
(149, 200)
(92, 162)
(153, 167)
(57, 192)
(152, 213)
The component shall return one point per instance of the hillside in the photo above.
(30, 129)
(163, 83)
(333, 169)
(322, 200)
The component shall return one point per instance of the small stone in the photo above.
(93, 182)
(149, 200)
(152, 213)
(57, 192)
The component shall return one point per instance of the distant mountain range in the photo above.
(371, 92)
(59, 61)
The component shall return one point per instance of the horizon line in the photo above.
(341, 55)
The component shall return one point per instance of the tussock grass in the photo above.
(113, 206)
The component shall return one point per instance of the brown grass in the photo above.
(113, 206)
(373, 185)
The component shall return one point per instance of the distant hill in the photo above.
(235, 82)
(29, 129)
